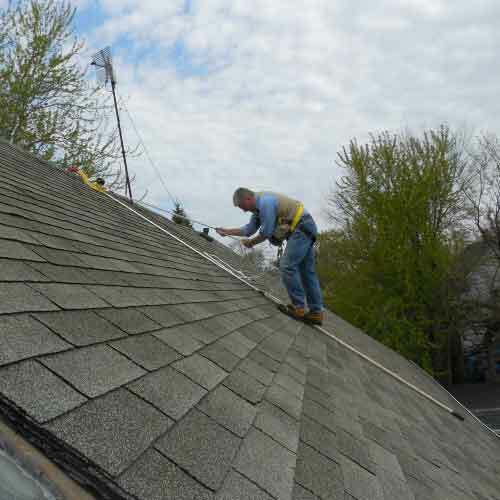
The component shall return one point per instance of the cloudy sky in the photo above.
(263, 93)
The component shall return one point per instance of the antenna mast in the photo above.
(104, 70)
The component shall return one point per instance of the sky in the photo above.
(263, 94)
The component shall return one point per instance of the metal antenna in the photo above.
(104, 72)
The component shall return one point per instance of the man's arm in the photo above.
(229, 232)
(254, 241)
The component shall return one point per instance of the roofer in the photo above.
(282, 218)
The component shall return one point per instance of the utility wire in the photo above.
(153, 164)
(122, 102)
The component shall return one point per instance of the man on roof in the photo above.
(282, 218)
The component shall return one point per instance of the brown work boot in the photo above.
(292, 311)
(314, 318)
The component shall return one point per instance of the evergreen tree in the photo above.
(180, 216)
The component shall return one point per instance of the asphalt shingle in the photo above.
(16, 250)
(279, 425)
(220, 356)
(81, 328)
(131, 321)
(13, 270)
(18, 297)
(201, 370)
(179, 339)
(147, 351)
(245, 385)
(68, 296)
(238, 487)
(93, 370)
(318, 474)
(229, 410)
(267, 464)
(169, 390)
(53, 396)
(121, 434)
(202, 447)
(155, 477)
(23, 337)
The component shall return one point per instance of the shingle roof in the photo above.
(147, 372)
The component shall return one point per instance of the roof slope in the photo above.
(147, 372)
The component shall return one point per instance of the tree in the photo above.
(46, 104)
(484, 201)
(179, 216)
(389, 264)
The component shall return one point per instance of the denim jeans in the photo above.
(297, 267)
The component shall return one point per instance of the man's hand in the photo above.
(247, 243)
(221, 231)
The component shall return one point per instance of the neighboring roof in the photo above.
(146, 372)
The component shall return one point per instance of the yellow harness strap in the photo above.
(296, 217)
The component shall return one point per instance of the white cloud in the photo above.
(283, 85)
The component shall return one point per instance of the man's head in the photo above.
(245, 199)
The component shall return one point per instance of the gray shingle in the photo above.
(284, 400)
(238, 487)
(12, 270)
(179, 339)
(201, 370)
(169, 390)
(155, 477)
(229, 410)
(299, 493)
(23, 337)
(93, 370)
(385, 459)
(318, 474)
(278, 424)
(202, 447)
(14, 233)
(245, 385)
(320, 438)
(359, 482)
(355, 449)
(197, 331)
(319, 413)
(147, 351)
(16, 250)
(220, 356)
(120, 296)
(131, 321)
(238, 344)
(290, 384)
(110, 430)
(257, 371)
(18, 297)
(58, 257)
(165, 316)
(393, 487)
(267, 463)
(53, 397)
(61, 274)
(264, 360)
(69, 296)
(80, 327)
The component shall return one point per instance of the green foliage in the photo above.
(179, 216)
(388, 265)
(46, 104)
